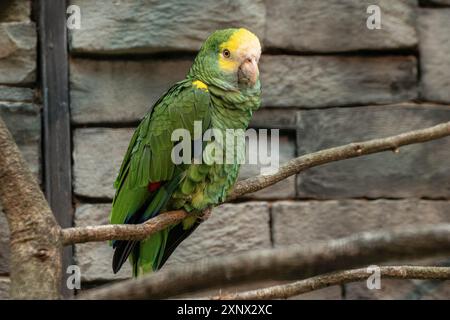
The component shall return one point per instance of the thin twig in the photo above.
(288, 263)
(336, 278)
(294, 166)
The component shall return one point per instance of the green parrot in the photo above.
(222, 90)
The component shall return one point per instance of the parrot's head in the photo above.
(229, 59)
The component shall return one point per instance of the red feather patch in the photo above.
(153, 186)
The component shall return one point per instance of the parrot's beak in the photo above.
(248, 71)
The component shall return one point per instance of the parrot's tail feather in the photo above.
(176, 235)
(135, 256)
(150, 209)
(121, 253)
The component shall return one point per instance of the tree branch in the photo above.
(289, 263)
(122, 231)
(351, 150)
(294, 166)
(35, 236)
(319, 282)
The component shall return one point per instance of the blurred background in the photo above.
(327, 80)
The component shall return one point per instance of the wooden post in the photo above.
(56, 117)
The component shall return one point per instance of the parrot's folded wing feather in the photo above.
(148, 161)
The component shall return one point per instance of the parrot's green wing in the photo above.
(148, 176)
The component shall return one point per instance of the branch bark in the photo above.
(319, 282)
(294, 166)
(284, 263)
(122, 231)
(35, 262)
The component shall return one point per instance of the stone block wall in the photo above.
(327, 80)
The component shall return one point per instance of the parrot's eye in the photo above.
(226, 53)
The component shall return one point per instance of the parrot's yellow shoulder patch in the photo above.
(200, 85)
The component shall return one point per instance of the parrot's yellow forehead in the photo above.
(241, 39)
(241, 44)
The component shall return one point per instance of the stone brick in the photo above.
(418, 170)
(123, 91)
(232, 228)
(127, 27)
(97, 156)
(300, 222)
(120, 91)
(273, 118)
(434, 52)
(247, 222)
(16, 94)
(17, 53)
(333, 26)
(328, 81)
(15, 10)
(23, 120)
(95, 258)
(4, 288)
(303, 25)
(282, 190)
